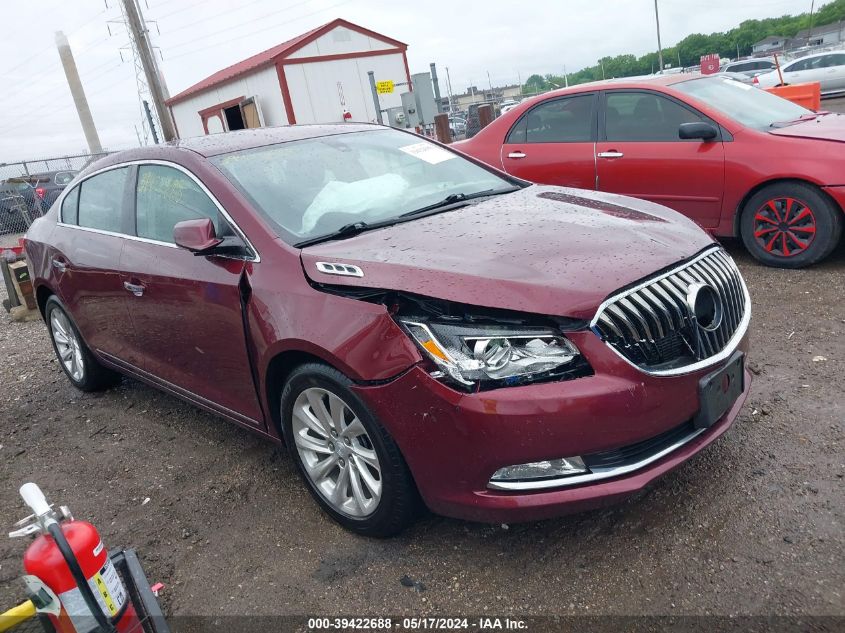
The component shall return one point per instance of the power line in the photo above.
(51, 47)
(215, 16)
(258, 17)
(255, 32)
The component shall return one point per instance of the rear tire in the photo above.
(349, 462)
(75, 359)
(790, 225)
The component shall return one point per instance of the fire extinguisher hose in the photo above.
(16, 615)
(73, 565)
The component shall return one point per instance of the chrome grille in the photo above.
(652, 326)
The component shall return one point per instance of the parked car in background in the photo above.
(749, 67)
(508, 104)
(18, 205)
(737, 160)
(826, 68)
(410, 323)
(49, 185)
(457, 125)
(740, 77)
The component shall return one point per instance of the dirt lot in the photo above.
(752, 526)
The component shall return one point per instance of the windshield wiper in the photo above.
(455, 198)
(810, 116)
(347, 230)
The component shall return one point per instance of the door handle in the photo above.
(135, 289)
(610, 154)
(517, 154)
(59, 265)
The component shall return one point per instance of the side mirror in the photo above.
(197, 236)
(698, 130)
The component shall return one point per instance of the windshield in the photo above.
(753, 107)
(311, 188)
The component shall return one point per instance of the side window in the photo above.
(70, 207)
(803, 64)
(829, 61)
(643, 116)
(101, 200)
(566, 120)
(166, 196)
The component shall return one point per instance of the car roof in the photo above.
(626, 82)
(215, 144)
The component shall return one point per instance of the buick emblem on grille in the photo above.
(705, 305)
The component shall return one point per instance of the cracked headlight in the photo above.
(504, 355)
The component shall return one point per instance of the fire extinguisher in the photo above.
(71, 577)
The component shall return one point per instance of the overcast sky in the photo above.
(508, 39)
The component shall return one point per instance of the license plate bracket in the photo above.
(718, 391)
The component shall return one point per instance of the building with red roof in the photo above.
(317, 77)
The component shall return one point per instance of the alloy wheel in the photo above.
(784, 227)
(336, 452)
(67, 345)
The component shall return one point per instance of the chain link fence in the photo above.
(29, 188)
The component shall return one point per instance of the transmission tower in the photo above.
(148, 116)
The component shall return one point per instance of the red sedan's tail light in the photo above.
(40, 192)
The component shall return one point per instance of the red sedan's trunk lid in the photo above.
(830, 127)
(544, 250)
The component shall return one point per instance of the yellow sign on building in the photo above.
(384, 87)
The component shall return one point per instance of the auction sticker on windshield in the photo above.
(428, 152)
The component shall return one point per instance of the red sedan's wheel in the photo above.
(790, 225)
(785, 226)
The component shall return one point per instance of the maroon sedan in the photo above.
(410, 323)
(737, 160)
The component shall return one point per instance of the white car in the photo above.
(749, 67)
(827, 68)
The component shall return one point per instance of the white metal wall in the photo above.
(315, 94)
(338, 41)
(263, 84)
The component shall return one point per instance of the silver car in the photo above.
(827, 68)
(749, 67)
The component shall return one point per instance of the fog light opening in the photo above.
(548, 469)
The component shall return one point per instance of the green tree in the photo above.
(738, 40)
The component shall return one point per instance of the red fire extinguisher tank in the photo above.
(44, 560)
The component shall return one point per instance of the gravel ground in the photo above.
(834, 105)
(751, 526)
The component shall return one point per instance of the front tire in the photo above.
(349, 462)
(790, 225)
(77, 361)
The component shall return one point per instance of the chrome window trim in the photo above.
(726, 352)
(256, 257)
(596, 474)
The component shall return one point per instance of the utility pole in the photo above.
(449, 89)
(490, 83)
(150, 121)
(810, 31)
(158, 93)
(371, 75)
(436, 85)
(659, 46)
(78, 93)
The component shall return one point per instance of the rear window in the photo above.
(101, 200)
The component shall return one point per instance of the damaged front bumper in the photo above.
(629, 427)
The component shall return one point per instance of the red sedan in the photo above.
(736, 159)
(409, 322)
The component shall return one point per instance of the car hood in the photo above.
(830, 127)
(547, 250)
